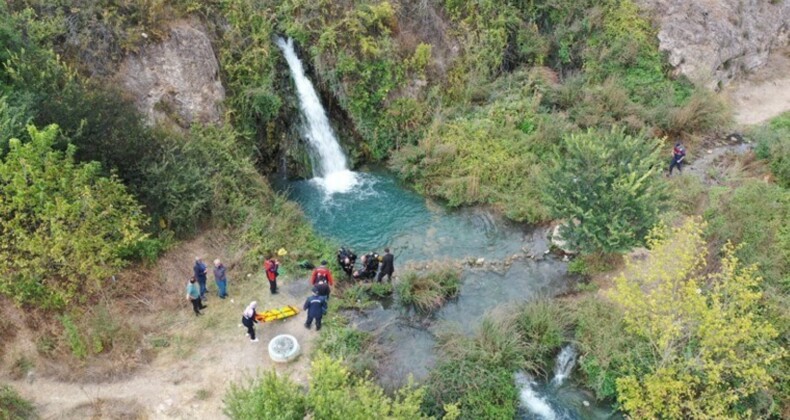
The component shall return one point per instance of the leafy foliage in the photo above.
(269, 397)
(477, 372)
(711, 347)
(63, 225)
(333, 394)
(773, 145)
(608, 185)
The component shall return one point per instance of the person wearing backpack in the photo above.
(272, 267)
(322, 275)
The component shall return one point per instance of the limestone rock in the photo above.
(715, 41)
(176, 80)
(558, 242)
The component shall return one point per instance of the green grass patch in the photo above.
(428, 291)
(13, 406)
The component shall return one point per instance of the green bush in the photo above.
(333, 394)
(755, 215)
(544, 325)
(477, 372)
(608, 186)
(606, 352)
(773, 145)
(74, 338)
(13, 406)
(269, 397)
(428, 291)
(63, 224)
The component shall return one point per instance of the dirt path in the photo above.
(766, 94)
(189, 377)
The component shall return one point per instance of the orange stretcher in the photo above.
(275, 314)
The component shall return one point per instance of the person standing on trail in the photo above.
(248, 318)
(316, 309)
(193, 295)
(678, 154)
(387, 266)
(201, 274)
(221, 279)
(272, 267)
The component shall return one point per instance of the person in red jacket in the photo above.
(272, 267)
(322, 275)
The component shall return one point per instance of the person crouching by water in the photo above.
(346, 259)
(193, 294)
(316, 307)
(249, 320)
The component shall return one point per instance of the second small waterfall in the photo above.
(330, 168)
(566, 360)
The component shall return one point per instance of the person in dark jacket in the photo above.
(316, 308)
(272, 267)
(678, 154)
(387, 266)
(201, 274)
(248, 318)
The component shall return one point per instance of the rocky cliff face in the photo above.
(177, 80)
(715, 41)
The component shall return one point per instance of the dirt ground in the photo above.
(203, 355)
(764, 94)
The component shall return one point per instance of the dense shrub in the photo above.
(477, 372)
(712, 348)
(608, 186)
(773, 145)
(606, 352)
(64, 226)
(269, 397)
(333, 394)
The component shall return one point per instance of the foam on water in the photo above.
(531, 400)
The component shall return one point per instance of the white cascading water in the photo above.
(330, 168)
(531, 400)
(566, 360)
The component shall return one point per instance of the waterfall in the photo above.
(330, 168)
(532, 401)
(566, 360)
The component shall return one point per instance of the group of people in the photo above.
(197, 288)
(373, 265)
(321, 280)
